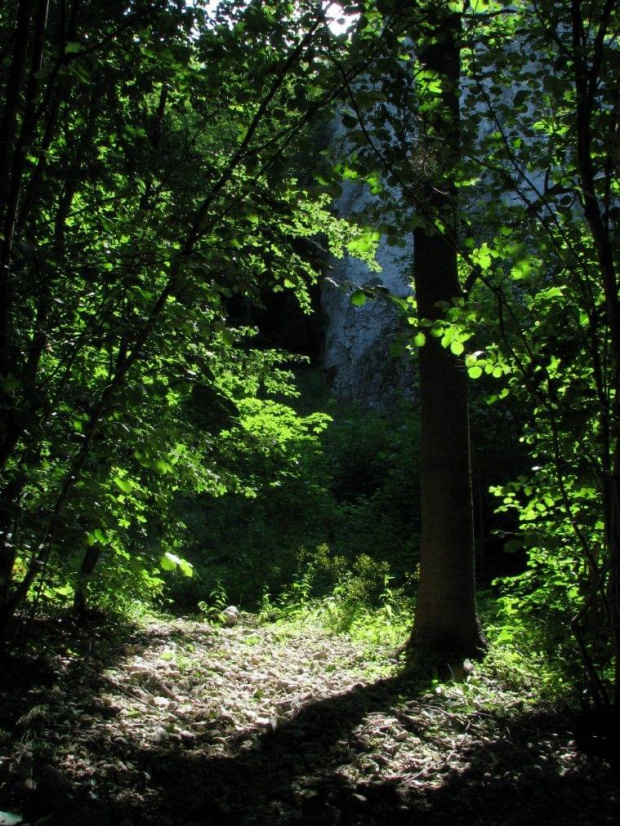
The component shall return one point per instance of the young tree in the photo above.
(543, 152)
(147, 176)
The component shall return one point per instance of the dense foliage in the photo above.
(147, 180)
(536, 323)
(158, 166)
(322, 490)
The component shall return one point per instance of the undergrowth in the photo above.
(349, 485)
(361, 601)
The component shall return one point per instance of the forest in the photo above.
(235, 589)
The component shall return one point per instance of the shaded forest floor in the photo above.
(180, 722)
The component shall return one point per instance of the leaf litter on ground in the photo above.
(183, 722)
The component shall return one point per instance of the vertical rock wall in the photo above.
(357, 355)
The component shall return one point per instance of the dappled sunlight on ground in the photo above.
(185, 723)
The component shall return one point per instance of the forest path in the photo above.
(180, 722)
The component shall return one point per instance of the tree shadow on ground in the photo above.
(520, 768)
(515, 778)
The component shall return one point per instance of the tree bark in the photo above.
(9, 122)
(446, 628)
(446, 622)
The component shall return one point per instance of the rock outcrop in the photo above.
(358, 354)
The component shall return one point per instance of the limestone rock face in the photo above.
(356, 354)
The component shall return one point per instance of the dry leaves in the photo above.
(187, 723)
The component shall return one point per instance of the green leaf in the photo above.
(551, 292)
(474, 372)
(10, 819)
(419, 340)
(10, 383)
(364, 244)
(96, 536)
(520, 98)
(457, 348)
(358, 299)
(512, 546)
(169, 561)
(484, 259)
(187, 569)
(161, 466)
(123, 484)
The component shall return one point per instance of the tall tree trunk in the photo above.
(446, 629)
(9, 164)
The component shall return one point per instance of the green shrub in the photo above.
(347, 481)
